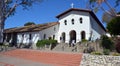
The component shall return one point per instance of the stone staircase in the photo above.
(65, 47)
(59, 47)
(79, 47)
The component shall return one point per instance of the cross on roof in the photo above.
(72, 5)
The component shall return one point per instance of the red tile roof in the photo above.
(30, 28)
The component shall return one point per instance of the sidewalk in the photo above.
(12, 61)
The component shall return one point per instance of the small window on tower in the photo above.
(72, 21)
(65, 22)
(81, 20)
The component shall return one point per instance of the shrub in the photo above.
(116, 54)
(89, 49)
(107, 43)
(84, 40)
(96, 53)
(106, 51)
(1, 44)
(42, 43)
(53, 41)
(118, 45)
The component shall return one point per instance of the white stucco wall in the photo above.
(49, 32)
(35, 36)
(96, 29)
(25, 39)
(78, 27)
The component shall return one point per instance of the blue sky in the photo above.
(45, 12)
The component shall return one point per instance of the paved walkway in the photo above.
(28, 57)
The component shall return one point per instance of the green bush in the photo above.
(107, 43)
(106, 51)
(42, 43)
(53, 41)
(96, 53)
(84, 40)
(1, 44)
(117, 46)
(116, 54)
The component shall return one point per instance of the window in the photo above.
(30, 36)
(54, 28)
(53, 37)
(22, 35)
(65, 22)
(81, 20)
(72, 21)
(44, 37)
(63, 37)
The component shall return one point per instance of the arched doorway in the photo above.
(63, 37)
(82, 35)
(72, 36)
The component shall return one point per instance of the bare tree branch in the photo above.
(111, 8)
(12, 9)
(106, 11)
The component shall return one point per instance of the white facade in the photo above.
(77, 26)
(83, 22)
(74, 24)
(33, 37)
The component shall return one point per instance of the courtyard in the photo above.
(29, 57)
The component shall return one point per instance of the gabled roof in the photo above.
(72, 9)
(82, 10)
(30, 28)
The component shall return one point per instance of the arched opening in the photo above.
(82, 35)
(63, 37)
(44, 37)
(72, 36)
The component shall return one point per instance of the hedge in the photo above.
(42, 43)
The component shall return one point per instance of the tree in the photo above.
(8, 7)
(29, 23)
(114, 26)
(95, 5)
(107, 43)
(118, 45)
